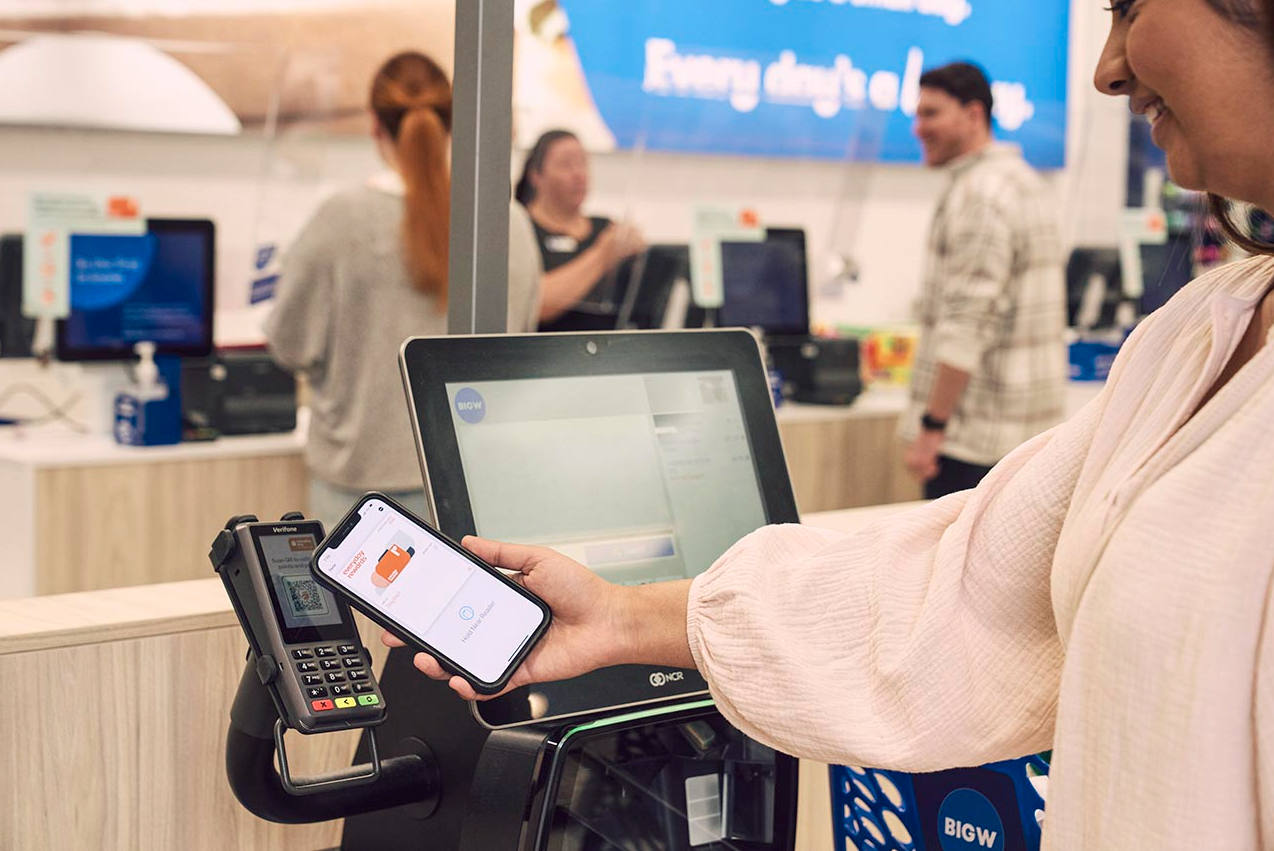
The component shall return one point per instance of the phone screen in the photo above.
(445, 600)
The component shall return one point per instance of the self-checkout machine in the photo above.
(624, 758)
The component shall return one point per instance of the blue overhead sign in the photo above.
(815, 78)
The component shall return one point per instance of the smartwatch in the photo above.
(931, 423)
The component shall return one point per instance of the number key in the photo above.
(312, 679)
(358, 675)
(337, 691)
(335, 677)
(324, 651)
(347, 649)
(302, 654)
(306, 667)
(330, 664)
(353, 661)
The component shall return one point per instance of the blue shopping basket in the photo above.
(996, 807)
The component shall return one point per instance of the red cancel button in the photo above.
(322, 705)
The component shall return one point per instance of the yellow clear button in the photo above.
(345, 702)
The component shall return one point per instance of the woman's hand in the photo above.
(619, 241)
(588, 629)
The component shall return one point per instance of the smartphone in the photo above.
(309, 655)
(431, 592)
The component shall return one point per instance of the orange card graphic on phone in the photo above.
(390, 564)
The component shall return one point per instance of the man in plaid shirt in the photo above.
(991, 364)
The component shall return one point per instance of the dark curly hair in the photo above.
(1257, 15)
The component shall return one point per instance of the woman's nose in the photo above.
(1113, 76)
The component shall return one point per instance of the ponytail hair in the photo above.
(525, 191)
(411, 98)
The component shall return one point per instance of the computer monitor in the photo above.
(766, 284)
(1094, 287)
(17, 332)
(155, 287)
(658, 294)
(645, 455)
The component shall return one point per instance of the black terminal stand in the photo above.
(256, 735)
(674, 777)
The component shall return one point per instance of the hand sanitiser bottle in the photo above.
(148, 412)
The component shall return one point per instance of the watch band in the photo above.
(931, 423)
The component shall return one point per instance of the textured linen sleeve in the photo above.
(298, 328)
(1263, 720)
(974, 297)
(923, 642)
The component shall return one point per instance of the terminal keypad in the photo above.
(335, 676)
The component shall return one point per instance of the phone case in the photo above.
(391, 564)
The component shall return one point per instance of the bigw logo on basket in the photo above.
(967, 821)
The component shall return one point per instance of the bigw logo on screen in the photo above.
(470, 405)
(967, 821)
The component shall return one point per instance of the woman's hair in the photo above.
(1250, 14)
(411, 99)
(525, 191)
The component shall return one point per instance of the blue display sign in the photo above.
(815, 78)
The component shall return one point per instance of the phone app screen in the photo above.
(443, 598)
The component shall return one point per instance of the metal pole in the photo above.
(481, 133)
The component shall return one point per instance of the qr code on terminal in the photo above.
(306, 597)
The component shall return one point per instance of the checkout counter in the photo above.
(67, 498)
(97, 668)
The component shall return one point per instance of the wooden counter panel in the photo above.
(107, 526)
(846, 463)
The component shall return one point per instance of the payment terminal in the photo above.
(307, 649)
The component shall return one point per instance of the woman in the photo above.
(1107, 590)
(580, 253)
(368, 271)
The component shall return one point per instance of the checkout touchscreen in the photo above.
(652, 477)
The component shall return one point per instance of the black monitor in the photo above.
(156, 287)
(1094, 287)
(766, 284)
(644, 455)
(17, 332)
(658, 294)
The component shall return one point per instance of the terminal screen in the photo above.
(299, 601)
(642, 478)
(443, 599)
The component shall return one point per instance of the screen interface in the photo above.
(444, 599)
(126, 289)
(299, 601)
(651, 476)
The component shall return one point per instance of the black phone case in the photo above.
(406, 635)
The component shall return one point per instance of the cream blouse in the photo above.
(1104, 592)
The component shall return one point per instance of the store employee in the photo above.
(582, 288)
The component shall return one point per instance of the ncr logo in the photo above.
(470, 406)
(659, 679)
(967, 821)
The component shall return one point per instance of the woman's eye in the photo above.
(1120, 7)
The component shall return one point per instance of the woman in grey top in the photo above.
(367, 271)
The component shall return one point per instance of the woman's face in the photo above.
(563, 176)
(1205, 84)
